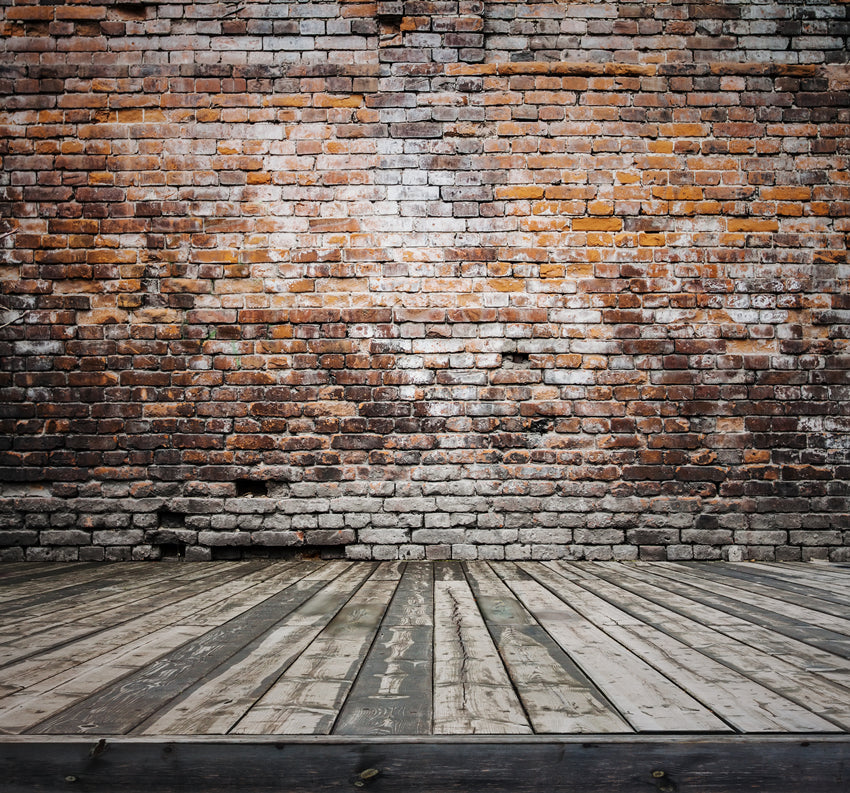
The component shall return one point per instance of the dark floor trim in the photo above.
(450, 764)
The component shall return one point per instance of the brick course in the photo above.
(424, 280)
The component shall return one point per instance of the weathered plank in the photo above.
(308, 696)
(24, 708)
(550, 647)
(95, 590)
(120, 707)
(807, 625)
(73, 672)
(393, 693)
(472, 690)
(216, 703)
(61, 628)
(806, 586)
(193, 597)
(19, 573)
(32, 613)
(647, 699)
(743, 703)
(774, 664)
(617, 764)
(64, 582)
(796, 597)
(27, 626)
(558, 697)
(816, 573)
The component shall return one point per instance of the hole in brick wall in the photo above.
(390, 13)
(172, 550)
(302, 552)
(516, 360)
(540, 426)
(171, 520)
(251, 487)
(24, 489)
(132, 10)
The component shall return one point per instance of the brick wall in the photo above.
(425, 280)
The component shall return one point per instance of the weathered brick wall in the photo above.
(406, 280)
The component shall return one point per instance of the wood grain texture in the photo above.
(308, 696)
(472, 690)
(393, 649)
(648, 700)
(393, 694)
(216, 703)
(119, 708)
(830, 593)
(646, 629)
(831, 634)
(558, 697)
(799, 673)
(459, 764)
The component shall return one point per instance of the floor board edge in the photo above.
(787, 763)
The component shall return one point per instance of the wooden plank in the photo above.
(54, 681)
(25, 708)
(64, 633)
(743, 582)
(12, 566)
(66, 594)
(393, 693)
(768, 659)
(120, 707)
(619, 764)
(216, 703)
(22, 614)
(814, 570)
(743, 703)
(63, 583)
(307, 698)
(189, 599)
(448, 571)
(103, 606)
(833, 583)
(472, 690)
(558, 697)
(222, 609)
(30, 572)
(647, 699)
(812, 627)
(791, 590)
(687, 601)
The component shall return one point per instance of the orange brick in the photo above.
(506, 284)
(597, 224)
(552, 271)
(752, 224)
(330, 100)
(678, 193)
(519, 192)
(786, 193)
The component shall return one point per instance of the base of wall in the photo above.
(368, 522)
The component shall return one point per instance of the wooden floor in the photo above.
(421, 649)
